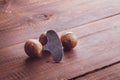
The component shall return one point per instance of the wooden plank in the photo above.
(36, 18)
(110, 73)
(30, 10)
(98, 46)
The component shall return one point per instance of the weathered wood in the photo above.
(110, 73)
(2, 2)
(99, 45)
(22, 17)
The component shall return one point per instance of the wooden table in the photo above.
(95, 22)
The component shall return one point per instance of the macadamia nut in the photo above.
(33, 48)
(68, 40)
(43, 38)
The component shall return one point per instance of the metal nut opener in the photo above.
(54, 45)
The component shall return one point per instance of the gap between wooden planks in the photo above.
(98, 46)
(110, 73)
(34, 19)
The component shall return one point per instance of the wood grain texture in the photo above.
(111, 73)
(99, 45)
(22, 17)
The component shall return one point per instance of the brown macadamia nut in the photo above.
(43, 38)
(33, 48)
(69, 41)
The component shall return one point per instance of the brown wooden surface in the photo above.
(110, 73)
(40, 16)
(95, 22)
